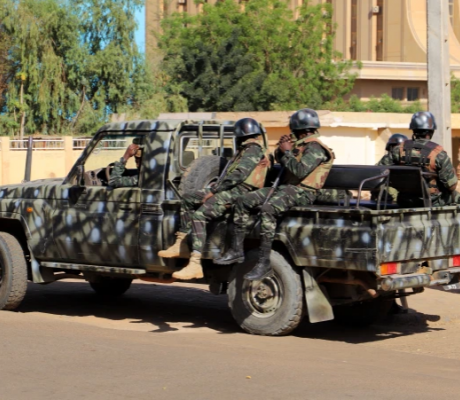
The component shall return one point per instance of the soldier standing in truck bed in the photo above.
(307, 164)
(246, 173)
(431, 157)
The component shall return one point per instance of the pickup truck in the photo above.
(346, 259)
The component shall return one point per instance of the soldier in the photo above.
(430, 156)
(246, 173)
(307, 164)
(395, 140)
(116, 176)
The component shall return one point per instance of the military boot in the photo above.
(262, 269)
(192, 271)
(179, 249)
(235, 254)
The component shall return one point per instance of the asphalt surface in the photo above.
(180, 342)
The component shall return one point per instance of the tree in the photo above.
(259, 57)
(76, 62)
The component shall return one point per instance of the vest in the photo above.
(316, 178)
(256, 178)
(417, 154)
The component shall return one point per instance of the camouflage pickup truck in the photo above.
(346, 260)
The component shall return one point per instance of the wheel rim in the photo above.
(265, 297)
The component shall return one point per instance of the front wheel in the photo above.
(13, 272)
(106, 286)
(271, 307)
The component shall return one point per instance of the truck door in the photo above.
(94, 223)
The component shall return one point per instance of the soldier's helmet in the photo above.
(423, 121)
(395, 140)
(304, 119)
(247, 127)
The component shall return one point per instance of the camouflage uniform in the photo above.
(291, 194)
(118, 180)
(231, 187)
(441, 188)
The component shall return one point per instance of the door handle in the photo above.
(126, 208)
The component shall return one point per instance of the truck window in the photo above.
(107, 151)
(190, 148)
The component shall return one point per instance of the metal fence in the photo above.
(38, 144)
(58, 144)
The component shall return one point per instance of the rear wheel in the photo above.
(13, 272)
(273, 306)
(106, 286)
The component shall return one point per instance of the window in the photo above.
(412, 94)
(190, 148)
(108, 150)
(379, 44)
(354, 29)
(397, 93)
(451, 11)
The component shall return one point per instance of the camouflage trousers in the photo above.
(195, 221)
(285, 197)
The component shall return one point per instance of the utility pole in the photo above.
(439, 70)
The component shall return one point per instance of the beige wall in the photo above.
(356, 138)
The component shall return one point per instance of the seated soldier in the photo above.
(116, 176)
(431, 157)
(392, 195)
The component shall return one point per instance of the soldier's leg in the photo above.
(215, 207)
(180, 248)
(285, 198)
(187, 208)
(244, 205)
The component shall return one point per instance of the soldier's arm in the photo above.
(446, 171)
(118, 180)
(313, 156)
(246, 165)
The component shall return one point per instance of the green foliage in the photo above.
(77, 61)
(455, 94)
(384, 104)
(257, 58)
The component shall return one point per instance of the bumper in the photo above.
(396, 282)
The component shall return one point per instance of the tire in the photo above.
(112, 287)
(275, 316)
(201, 173)
(363, 314)
(13, 272)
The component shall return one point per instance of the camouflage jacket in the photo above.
(297, 171)
(118, 180)
(242, 167)
(447, 178)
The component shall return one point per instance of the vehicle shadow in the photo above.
(168, 308)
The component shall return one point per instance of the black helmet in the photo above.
(423, 121)
(247, 127)
(394, 140)
(306, 118)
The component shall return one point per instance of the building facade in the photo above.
(389, 37)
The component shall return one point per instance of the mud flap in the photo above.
(318, 306)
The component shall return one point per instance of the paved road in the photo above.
(171, 342)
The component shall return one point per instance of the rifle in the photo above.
(224, 172)
(270, 193)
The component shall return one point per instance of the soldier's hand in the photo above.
(284, 138)
(207, 197)
(130, 151)
(285, 146)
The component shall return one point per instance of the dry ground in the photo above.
(180, 342)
